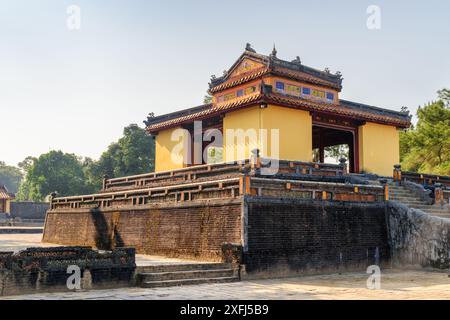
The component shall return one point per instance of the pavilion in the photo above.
(263, 92)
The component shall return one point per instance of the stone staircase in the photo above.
(407, 197)
(185, 274)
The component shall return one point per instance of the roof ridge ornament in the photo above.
(273, 54)
(248, 47)
(297, 60)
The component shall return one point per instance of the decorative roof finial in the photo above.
(248, 47)
(297, 60)
(274, 52)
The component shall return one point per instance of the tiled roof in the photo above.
(206, 113)
(280, 71)
(366, 114)
(344, 108)
(272, 63)
(242, 78)
(375, 110)
(299, 75)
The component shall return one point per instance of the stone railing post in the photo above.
(438, 195)
(255, 163)
(105, 180)
(51, 198)
(397, 175)
(384, 182)
(342, 162)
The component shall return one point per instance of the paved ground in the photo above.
(395, 284)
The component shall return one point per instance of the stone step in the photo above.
(183, 282)
(183, 275)
(447, 216)
(403, 194)
(409, 202)
(183, 267)
(431, 210)
(403, 199)
(424, 206)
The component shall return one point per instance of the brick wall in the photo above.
(29, 210)
(177, 230)
(290, 236)
(45, 269)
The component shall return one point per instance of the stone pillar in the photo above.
(386, 188)
(343, 164)
(105, 179)
(53, 195)
(255, 163)
(397, 175)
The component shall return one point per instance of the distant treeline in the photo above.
(68, 174)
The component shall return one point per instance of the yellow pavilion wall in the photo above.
(8, 206)
(164, 146)
(378, 148)
(294, 133)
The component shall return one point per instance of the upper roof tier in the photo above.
(251, 65)
(258, 79)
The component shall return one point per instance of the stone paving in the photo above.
(395, 284)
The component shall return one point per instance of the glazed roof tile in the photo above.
(344, 108)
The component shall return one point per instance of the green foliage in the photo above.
(10, 177)
(132, 154)
(54, 171)
(337, 152)
(426, 147)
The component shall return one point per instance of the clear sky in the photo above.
(75, 90)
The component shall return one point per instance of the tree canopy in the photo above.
(68, 174)
(53, 171)
(426, 147)
(10, 177)
(132, 154)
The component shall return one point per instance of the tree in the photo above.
(54, 171)
(71, 175)
(337, 152)
(26, 164)
(134, 153)
(426, 147)
(10, 177)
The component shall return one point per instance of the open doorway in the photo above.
(330, 144)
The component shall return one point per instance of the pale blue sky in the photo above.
(76, 90)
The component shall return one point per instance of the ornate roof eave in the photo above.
(336, 110)
(284, 101)
(208, 113)
(277, 71)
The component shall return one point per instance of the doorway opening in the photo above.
(331, 143)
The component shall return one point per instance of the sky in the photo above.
(75, 90)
